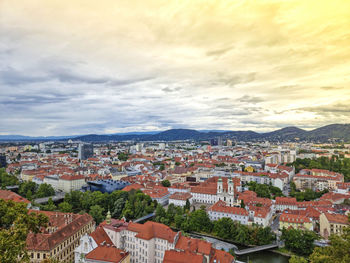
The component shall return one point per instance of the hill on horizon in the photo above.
(339, 132)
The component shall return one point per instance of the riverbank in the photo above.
(283, 251)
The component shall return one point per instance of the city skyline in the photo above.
(129, 66)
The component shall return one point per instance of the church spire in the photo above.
(108, 217)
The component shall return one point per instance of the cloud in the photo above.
(219, 65)
(250, 99)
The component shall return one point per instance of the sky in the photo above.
(109, 66)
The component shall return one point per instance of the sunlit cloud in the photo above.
(89, 66)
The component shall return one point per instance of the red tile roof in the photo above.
(70, 177)
(222, 257)
(107, 253)
(292, 218)
(173, 256)
(193, 245)
(180, 196)
(67, 224)
(151, 230)
(220, 206)
(286, 201)
(130, 187)
(333, 197)
(100, 236)
(156, 192)
(337, 218)
(8, 195)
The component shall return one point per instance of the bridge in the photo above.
(144, 218)
(12, 187)
(255, 249)
(55, 198)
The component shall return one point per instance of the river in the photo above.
(264, 257)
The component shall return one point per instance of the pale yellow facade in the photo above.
(328, 228)
(305, 225)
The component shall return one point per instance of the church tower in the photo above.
(220, 186)
(230, 186)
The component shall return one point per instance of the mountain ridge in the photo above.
(290, 133)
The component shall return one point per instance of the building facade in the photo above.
(60, 238)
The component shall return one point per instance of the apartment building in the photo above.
(317, 179)
(332, 224)
(60, 238)
(296, 221)
(180, 199)
(220, 210)
(150, 242)
(215, 189)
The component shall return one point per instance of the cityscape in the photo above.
(174, 131)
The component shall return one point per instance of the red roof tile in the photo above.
(107, 253)
(173, 256)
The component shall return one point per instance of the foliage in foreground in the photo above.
(337, 252)
(131, 205)
(226, 228)
(299, 241)
(15, 224)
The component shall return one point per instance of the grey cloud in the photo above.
(330, 88)
(338, 108)
(219, 52)
(234, 79)
(170, 90)
(250, 99)
(32, 99)
(11, 77)
(62, 73)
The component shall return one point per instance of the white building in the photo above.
(180, 199)
(68, 183)
(215, 189)
(220, 210)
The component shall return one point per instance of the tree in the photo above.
(25, 187)
(299, 241)
(15, 224)
(29, 195)
(65, 207)
(187, 205)
(242, 204)
(45, 190)
(242, 236)
(160, 213)
(199, 221)
(73, 198)
(123, 156)
(50, 205)
(96, 212)
(296, 259)
(118, 206)
(166, 183)
(179, 219)
(337, 252)
(222, 227)
(7, 179)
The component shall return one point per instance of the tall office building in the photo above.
(3, 161)
(85, 151)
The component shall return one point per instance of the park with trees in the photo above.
(198, 221)
(15, 224)
(336, 163)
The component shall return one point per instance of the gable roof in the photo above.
(107, 253)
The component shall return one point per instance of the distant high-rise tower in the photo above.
(85, 151)
(3, 161)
